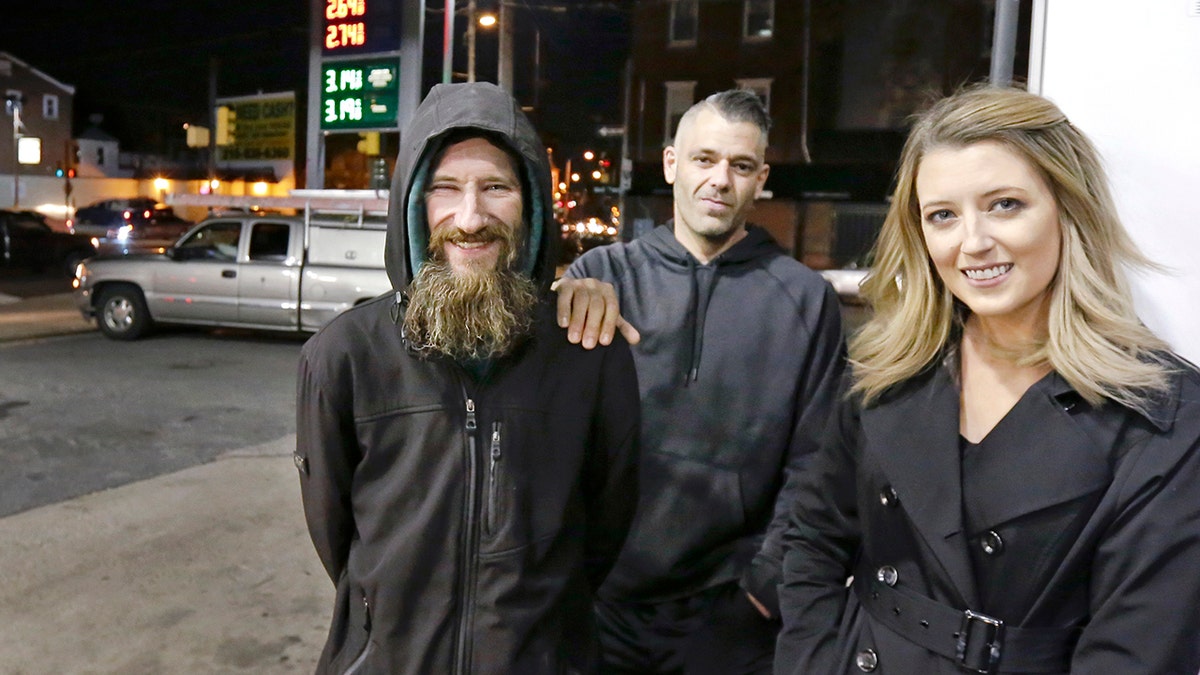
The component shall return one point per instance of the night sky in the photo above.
(145, 65)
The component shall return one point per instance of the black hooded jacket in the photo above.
(738, 365)
(466, 523)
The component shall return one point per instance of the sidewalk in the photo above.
(40, 316)
(207, 570)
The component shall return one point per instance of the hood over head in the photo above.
(488, 109)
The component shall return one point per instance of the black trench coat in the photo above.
(1078, 526)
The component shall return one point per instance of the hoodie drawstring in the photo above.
(703, 281)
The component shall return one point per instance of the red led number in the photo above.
(345, 35)
(340, 9)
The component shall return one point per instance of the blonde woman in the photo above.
(1013, 479)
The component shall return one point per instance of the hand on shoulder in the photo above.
(589, 310)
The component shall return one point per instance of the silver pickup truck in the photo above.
(250, 270)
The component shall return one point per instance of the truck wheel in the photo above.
(123, 314)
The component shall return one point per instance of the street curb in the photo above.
(41, 316)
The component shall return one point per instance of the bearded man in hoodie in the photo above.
(739, 360)
(466, 472)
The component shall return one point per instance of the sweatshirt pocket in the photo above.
(688, 510)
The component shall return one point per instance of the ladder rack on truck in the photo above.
(335, 209)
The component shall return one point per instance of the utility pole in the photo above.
(13, 103)
(448, 43)
(805, 74)
(212, 119)
(1004, 42)
(411, 53)
(471, 41)
(504, 71)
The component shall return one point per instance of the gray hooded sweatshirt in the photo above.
(465, 522)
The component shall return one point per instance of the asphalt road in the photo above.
(82, 413)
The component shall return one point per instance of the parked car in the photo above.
(130, 223)
(250, 270)
(847, 282)
(27, 242)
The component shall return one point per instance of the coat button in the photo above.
(866, 660)
(991, 543)
(888, 496)
(887, 575)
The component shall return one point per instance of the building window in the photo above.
(50, 107)
(684, 18)
(758, 19)
(100, 156)
(680, 96)
(760, 86)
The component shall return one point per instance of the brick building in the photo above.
(840, 79)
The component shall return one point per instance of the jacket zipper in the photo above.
(493, 486)
(462, 662)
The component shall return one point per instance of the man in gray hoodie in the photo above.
(739, 361)
(467, 474)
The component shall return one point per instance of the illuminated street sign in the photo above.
(359, 94)
(360, 27)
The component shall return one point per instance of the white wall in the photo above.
(1127, 72)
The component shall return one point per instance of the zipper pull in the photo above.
(366, 614)
(470, 415)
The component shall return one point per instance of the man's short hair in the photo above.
(735, 105)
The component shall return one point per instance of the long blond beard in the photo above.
(472, 315)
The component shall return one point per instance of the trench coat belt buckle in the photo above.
(976, 642)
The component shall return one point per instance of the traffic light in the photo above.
(66, 168)
(379, 179)
(226, 125)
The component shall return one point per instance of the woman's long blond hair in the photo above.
(1095, 340)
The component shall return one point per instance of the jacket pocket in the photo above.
(358, 645)
(359, 665)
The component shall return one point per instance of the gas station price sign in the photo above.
(360, 26)
(360, 94)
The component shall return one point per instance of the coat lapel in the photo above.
(919, 456)
(1049, 449)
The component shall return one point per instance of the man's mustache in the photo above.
(456, 236)
(509, 239)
